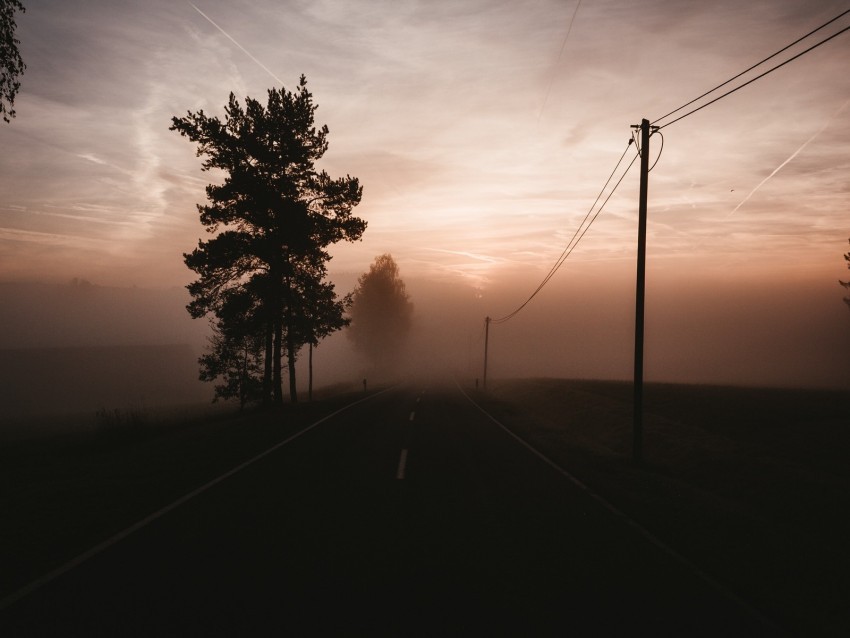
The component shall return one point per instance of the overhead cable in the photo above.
(735, 77)
(577, 236)
(741, 86)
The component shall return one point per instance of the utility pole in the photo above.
(486, 344)
(637, 442)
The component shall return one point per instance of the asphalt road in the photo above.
(409, 514)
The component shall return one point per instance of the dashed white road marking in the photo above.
(402, 465)
(412, 415)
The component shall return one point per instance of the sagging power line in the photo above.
(577, 235)
(574, 240)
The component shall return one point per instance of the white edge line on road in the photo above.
(402, 465)
(79, 560)
(637, 527)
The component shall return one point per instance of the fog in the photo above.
(81, 347)
(727, 330)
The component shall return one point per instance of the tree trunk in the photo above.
(276, 295)
(267, 362)
(290, 353)
(243, 380)
(290, 344)
(310, 375)
(278, 355)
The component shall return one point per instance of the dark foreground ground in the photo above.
(753, 484)
(322, 537)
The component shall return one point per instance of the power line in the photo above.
(596, 201)
(660, 150)
(735, 77)
(579, 233)
(577, 236)
(758, 77)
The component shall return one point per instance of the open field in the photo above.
(56, 382)
(752, 485)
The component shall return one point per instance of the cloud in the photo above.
(435, 106)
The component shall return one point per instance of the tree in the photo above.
(235, 355)
(11, 64)
(381, 312)
(273, 217)
(846, 284)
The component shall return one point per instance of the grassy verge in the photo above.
(752, 485)
(68, 491)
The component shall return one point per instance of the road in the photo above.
(408, 514)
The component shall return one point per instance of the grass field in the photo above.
(752, 485)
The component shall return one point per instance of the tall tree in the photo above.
(381, 313)
(846, 284)
(273, 216)
(11, 64)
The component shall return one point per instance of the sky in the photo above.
(481, 131)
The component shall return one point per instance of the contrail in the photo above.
(244, 50)
(793, 155)
(493, 260)
(560, 54)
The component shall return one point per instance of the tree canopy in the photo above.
(272, 218)
(381, 312)
(11, 64)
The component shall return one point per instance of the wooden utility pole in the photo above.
(637, 443)
(486, 344)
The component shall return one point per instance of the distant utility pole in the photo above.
(486, 344)
(637, 443)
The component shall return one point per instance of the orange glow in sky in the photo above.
(480, 132)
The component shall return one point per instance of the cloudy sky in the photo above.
(481, 130)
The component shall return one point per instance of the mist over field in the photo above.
(80, 347)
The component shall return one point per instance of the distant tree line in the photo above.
(262, 276)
